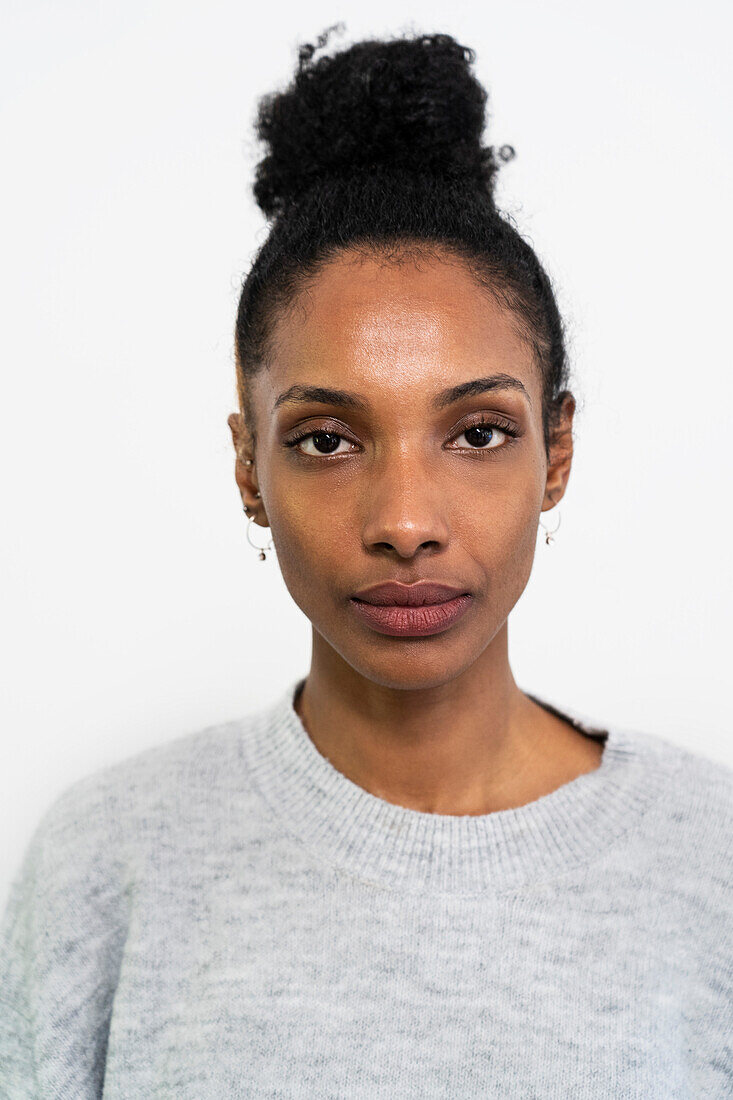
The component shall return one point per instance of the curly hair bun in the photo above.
(406, 105)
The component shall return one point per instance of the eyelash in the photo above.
(505, 426)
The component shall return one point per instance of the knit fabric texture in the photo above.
(227, 915)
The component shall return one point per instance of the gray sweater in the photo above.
(227, 915)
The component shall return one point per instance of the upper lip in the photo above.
(409, 595)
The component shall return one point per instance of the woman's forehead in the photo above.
(388, 325)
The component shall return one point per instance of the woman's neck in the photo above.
(473, 745)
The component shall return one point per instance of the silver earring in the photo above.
(262, 549)
(549, 534)
(271, 544)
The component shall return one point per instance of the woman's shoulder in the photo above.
(693, 772)
(153, 784)
(692, 816)
(690, 780)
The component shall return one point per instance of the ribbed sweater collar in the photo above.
(415, 852)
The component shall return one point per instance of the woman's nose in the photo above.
(403, 510)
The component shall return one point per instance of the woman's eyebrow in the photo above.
(479, 385)
(327, 396)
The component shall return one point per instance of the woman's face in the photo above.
(396, 490)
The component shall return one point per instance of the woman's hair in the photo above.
(377, 149)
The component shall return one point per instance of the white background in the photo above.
(134, 609)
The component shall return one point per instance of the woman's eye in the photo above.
(322, 443)
(483, 436)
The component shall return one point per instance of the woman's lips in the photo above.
(401, 621)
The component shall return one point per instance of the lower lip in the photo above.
(401, 621)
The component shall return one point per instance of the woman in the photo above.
(408, 877)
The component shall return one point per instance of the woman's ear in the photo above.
(244, 470)
(235, 421)
(561, 453)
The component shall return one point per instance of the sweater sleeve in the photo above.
(61, 940)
